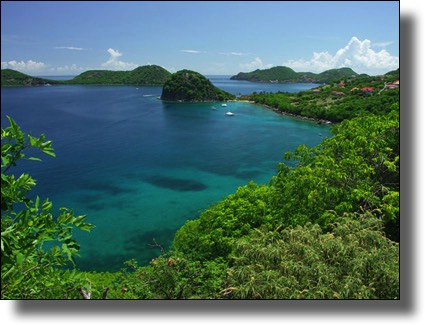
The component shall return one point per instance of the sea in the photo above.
(138, 167)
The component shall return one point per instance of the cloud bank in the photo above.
(114, 64)
(357, 55)
(29, 66)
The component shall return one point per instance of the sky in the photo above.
(45, 38)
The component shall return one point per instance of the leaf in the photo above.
(20, 258)
(34, 159)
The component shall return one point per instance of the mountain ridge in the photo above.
(282, 74)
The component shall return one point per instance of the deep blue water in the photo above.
(139, 167)
(242, 87)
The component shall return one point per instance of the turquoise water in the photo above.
(139, 167)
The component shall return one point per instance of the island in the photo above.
(144, 75)
(11, 77)
(283, 74)
(191, 86)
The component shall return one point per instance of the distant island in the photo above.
(191, 86)
(144, 75)
(11, 77)
(285, 75)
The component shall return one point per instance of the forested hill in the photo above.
(145, 75)
(11, 77)
(285, 74)
(190, 86)
(336, 101)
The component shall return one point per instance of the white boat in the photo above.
(230, 114)
(223, 105)
(213, 107)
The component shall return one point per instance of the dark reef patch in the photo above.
(176, 184)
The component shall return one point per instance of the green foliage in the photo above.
(213, 233)
(283, 240)
(336, 102)
(34, 243)
(11, 77)
(177, 277)
(285, 74)
(145, 75)
(355, 170)
(190, 86)
(354, 260)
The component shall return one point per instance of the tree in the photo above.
(355, 170)
(35, 244)
(354, 260)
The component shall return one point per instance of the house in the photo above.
(338, 93)
(367, 90)
(392, 86)
(316, 90)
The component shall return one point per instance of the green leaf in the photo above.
(20, 258)
(34, 159)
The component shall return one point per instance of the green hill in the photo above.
(335, 75)
(145, 75)
(190, 86)
(285, 74)
(11, 77)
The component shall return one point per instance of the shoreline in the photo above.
(278, 111)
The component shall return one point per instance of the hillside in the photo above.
(336, 101)
(285, 74)
(145, 75)
(11, 77)
(190, 86)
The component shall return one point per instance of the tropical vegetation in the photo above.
(11, 77)
(336, 101)
(145, 75)
(326, 226)
(191, 86)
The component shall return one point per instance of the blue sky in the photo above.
(223, 37)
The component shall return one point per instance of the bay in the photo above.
(139, 168)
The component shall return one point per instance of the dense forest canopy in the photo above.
(190, 86)
(326, 226)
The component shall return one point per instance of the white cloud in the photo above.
(233, 53)
(114, 64)
(73, 68)
(26, 67)
(357, 55)
(71, 48)
(257, 63)
(192, 51)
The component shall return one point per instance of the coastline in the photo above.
(278, 111)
